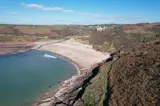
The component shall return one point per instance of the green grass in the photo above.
(105, 83)
(89, 98)
(95, 92)
(104, 87)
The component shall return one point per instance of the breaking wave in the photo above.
(49, 56)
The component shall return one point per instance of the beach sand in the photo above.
(81, 54)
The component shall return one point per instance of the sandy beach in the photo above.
(81, 54)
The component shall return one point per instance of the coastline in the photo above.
(64, 85)
(52, 89)
(55, 88)
(82, 56)
(78, 67)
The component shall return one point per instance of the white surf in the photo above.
(49, 56)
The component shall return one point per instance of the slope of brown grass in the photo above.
(124, 35)
(135, 77)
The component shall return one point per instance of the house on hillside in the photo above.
(99, 28)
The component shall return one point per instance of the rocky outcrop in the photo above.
(71, 90)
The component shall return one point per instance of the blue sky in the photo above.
(78, 11)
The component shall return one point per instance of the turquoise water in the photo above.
(25, 76)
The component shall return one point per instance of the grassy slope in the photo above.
(95, 91)
(124, 35)
(134, 79)
(33, 33)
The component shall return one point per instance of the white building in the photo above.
(99, 28)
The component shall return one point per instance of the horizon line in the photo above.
(79, 24)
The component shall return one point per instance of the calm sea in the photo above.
(25, 76)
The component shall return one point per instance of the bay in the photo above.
(25, 76)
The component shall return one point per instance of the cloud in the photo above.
(41, 7)
(92, 15)
(13, 13)
(34, 6)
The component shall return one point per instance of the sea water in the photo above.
(25, 76)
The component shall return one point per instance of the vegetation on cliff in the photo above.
(132, 78)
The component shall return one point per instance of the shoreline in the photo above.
(83, 59)
(64, 85)
(57, 87)
(78, 67)
(51, 91)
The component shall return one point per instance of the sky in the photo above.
(51, 12)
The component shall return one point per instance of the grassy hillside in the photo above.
(110, 39)
(132, 78)
(34, 33)
(124, 35)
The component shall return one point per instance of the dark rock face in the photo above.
(72, 96)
